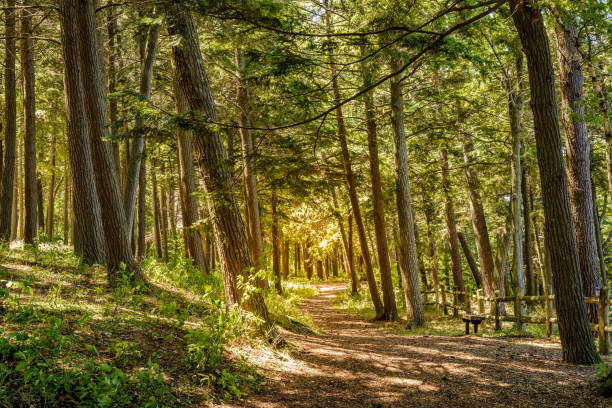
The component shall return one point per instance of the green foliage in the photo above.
(604, 373)
(37, 371)
(284, 310)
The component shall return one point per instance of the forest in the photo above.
(305, 203)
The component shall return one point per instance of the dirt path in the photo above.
(356, 364)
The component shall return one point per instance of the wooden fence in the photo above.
(493, 309)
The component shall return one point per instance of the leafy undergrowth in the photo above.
(437, 323)
(67, 339)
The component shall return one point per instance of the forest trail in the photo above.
(356, 363)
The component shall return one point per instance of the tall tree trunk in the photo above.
(138, 145)
(156, 215)
(141, 248)
(116, 233)
(380, 225)
(296, 259)
(66, 206)
(598, 87)
(527, 254)
(51, 192)
(334, 262)
(451, 223)
(26, 48)
(479, 222)
(578, 161)
(40, 205)
(350, 180)
(164, 216)
(307, 260)
(248, 173)
(230, 233)
(276, 267)
(433, 255)
(21, 193)
(320, 269)
(576, 339)
(347, 250)
(515, 111)
(15, 206)
(408, 256)
(285, 261)
(420, 263)
(10, 123)
(87, 225)
(111, 23)
(470, 259)
(191, 213)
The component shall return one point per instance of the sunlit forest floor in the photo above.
(359, 363)
(68, 340)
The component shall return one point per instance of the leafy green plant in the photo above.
(123, 351)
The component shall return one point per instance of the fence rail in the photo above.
(493, 309)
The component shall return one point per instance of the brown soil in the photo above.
(356, 363)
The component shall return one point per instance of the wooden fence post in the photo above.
(480, 299)
(496, 307)
(468, 301)
(444, 306)
(437, 297)
(603, 319)
(518, 311)
(547, 312)
(455, 296)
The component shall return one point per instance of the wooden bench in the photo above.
(474, 319)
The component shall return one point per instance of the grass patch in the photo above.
(67, 339)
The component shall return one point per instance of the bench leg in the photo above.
(475, 327)
(467, 327)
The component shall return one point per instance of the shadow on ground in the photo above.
(357, 363)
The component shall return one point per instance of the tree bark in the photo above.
(230, 233)
(248, 173)
(350, 180)
(26, 48)
(576, 339)
(66, 206)
(15, 214)
(527, 254)
(118, 251)
(380, 225)
(191, 212)
(40, 205)
(515, 112)
(51, 191)
(346, 244)
(577, 160)
(433, 255)
(111, 22)
(164, 215)
(334, 262)
(451, 224)
(408, 256)
(285, 261)
(156, 214)
(87, 225)
(479, 222)
(470, 259)
(276, 253)
(141, 248)
(10, 123)
(138, 145)
(296, 259)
